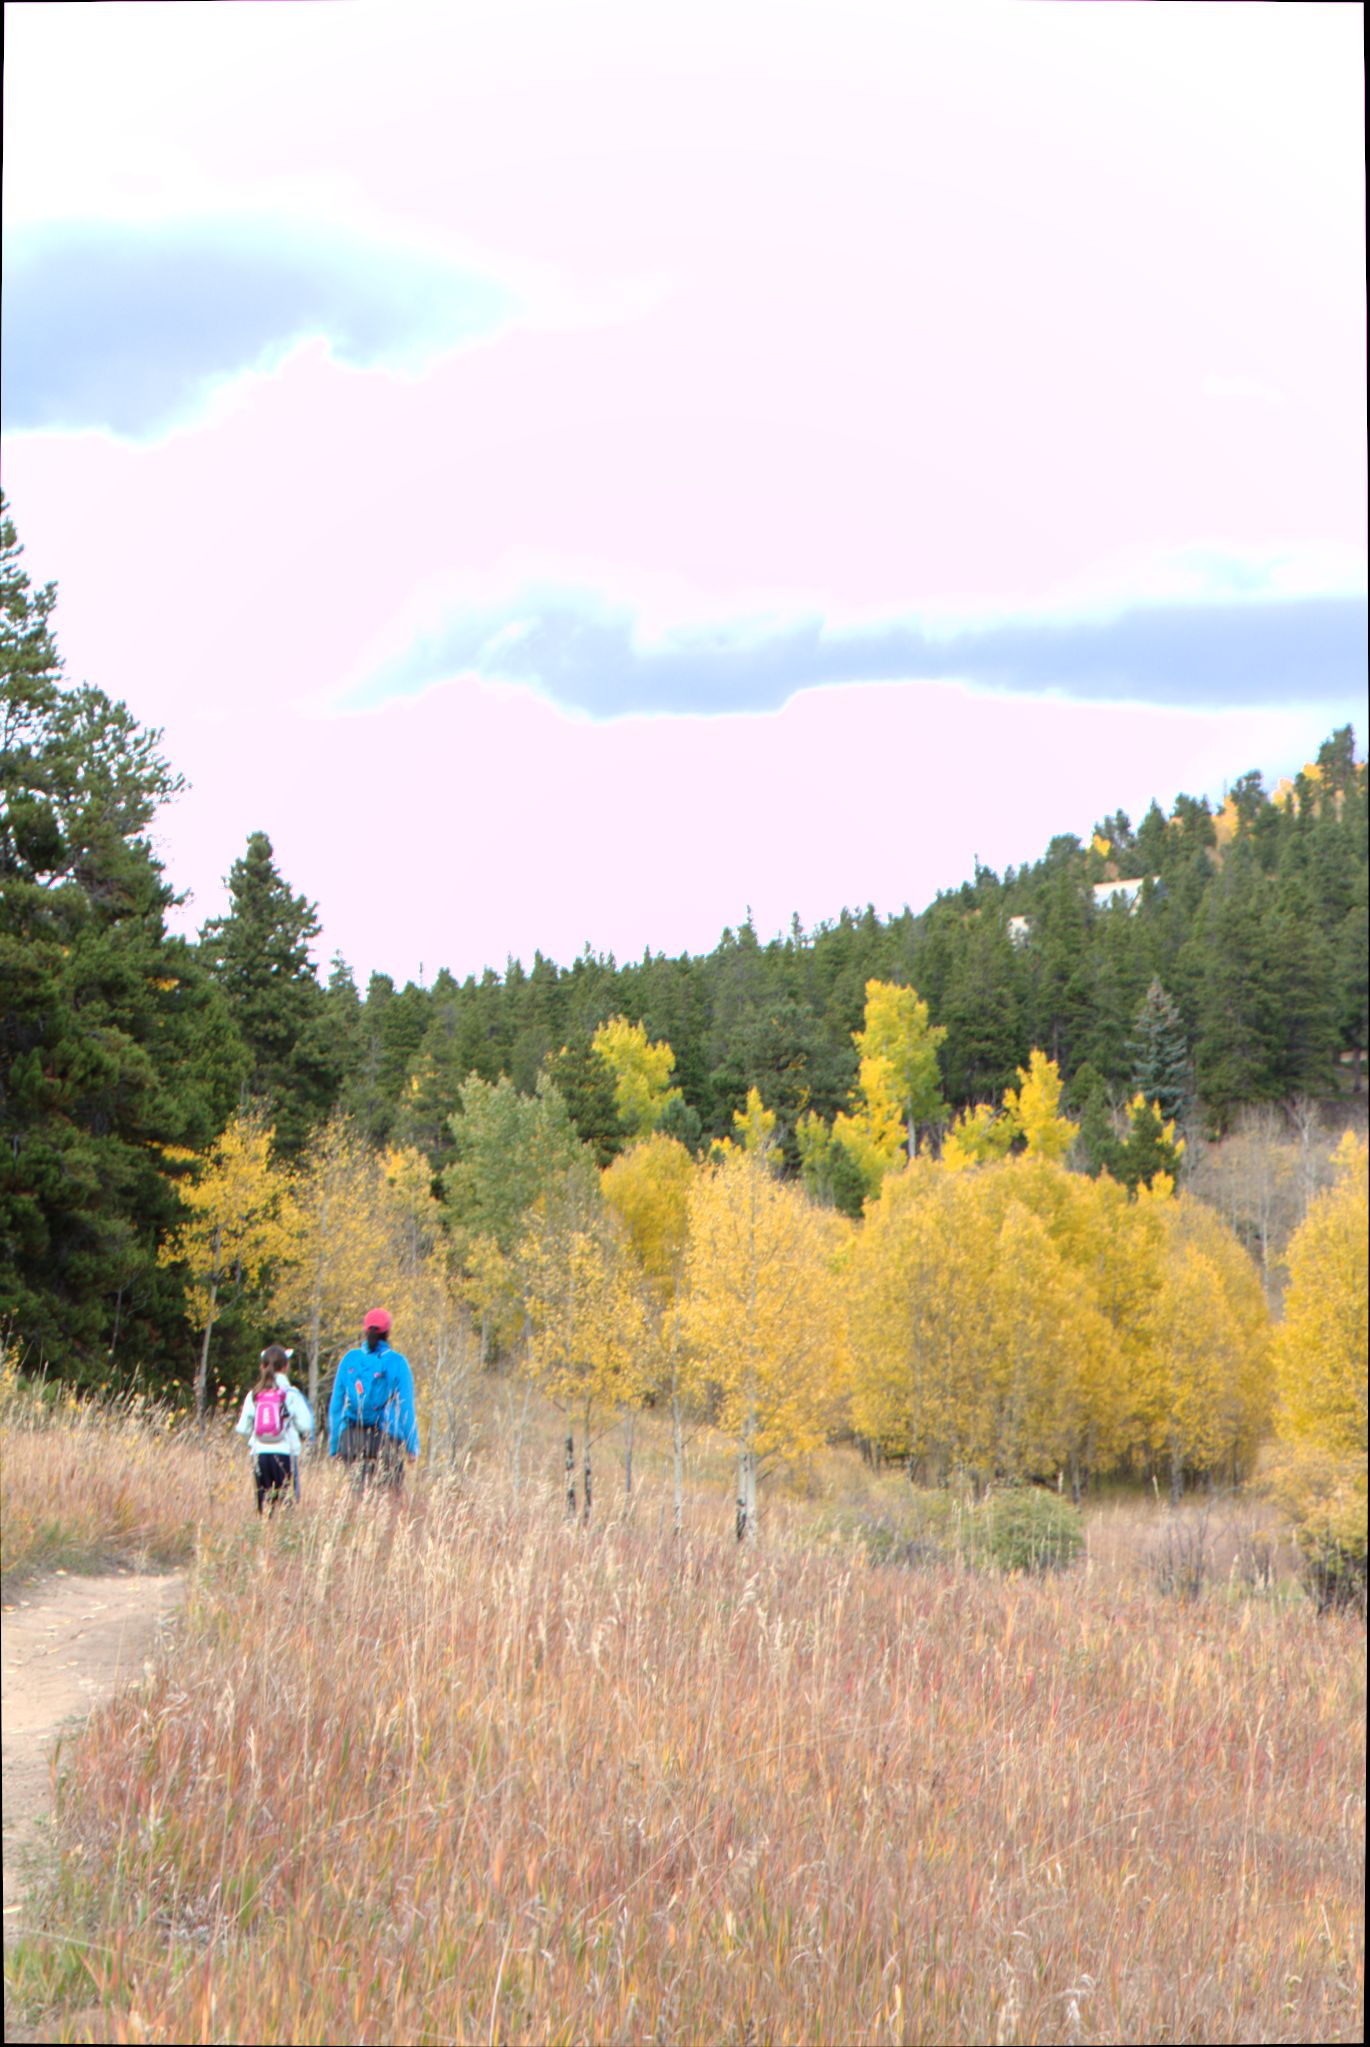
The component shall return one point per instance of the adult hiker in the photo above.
(371, 1421)
(275, 1418)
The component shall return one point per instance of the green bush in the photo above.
(1025, 1529)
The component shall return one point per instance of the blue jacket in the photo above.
(386, 1396)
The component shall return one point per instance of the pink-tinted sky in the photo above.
(570, 474)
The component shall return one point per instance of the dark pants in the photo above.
(373, 1453)
(273, 1476)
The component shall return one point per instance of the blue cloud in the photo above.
(128, 325)
(1214, 655)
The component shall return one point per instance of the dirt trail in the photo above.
(65, 1644)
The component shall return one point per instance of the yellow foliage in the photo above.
(239, 1216)
(1320, 1366)
(1020, 1319)
(901, 1044)
(585, 1314)
(341, 1263)
(648, 1189)
(977, 1136)
(642, 1073)
(873, 1133)
(1226, 821)
(755, 1125)
(1034, 1111)
(761, 1310)
(1321, 1346)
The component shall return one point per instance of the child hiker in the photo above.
(371, 1420)
(275, 1417)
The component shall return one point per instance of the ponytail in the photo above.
(274, 1359)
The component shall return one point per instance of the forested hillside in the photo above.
(173, 1111)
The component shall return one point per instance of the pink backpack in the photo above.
(269, 1421)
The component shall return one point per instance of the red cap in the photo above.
(376, 1318)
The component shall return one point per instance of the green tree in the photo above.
(114, 1045)
(1150, 1146)
(510, 1150)
(585, 1081)
(259, 953)
(1229, 958)
(1159, 1056)
(980, 1009)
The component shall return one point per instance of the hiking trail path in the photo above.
(67, 1643)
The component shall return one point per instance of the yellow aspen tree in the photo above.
(755, 1125)
(1118, 1246)
(1104, 1244)
(1321, 1346)
(1320, 1364)
(424, 1296)
(978, 1136)
(648, 1189)
(642, 1072)
(1034, 1109)
(1047, 1331)
(1188, 1325)
(871, 1132)
(761, 1311)
(341, 1244)
(925, 1377)
(1246, 1389)
(585, 1316)
(239, 1223)
(897, 1031)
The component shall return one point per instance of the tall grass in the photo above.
(86, 1484)
(454, 1770)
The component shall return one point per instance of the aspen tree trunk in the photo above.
(571, 1474)
(586, 1508)
(202, 1369)
(629, 1428)
(678, 1460)
(518, 1444)
(746, 1486)
(315, 1345)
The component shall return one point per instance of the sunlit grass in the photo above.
(86, 1485)
(458, 1770)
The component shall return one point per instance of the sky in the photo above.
(584, 475)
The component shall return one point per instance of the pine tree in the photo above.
(1229, 957)
(113, 1043)
(585, 1081)
(259, 953)
(1159, 1056)
(1150, 1147)
(981, 1011)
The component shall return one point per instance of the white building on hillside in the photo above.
(1105, 895)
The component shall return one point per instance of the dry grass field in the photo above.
(457, 1770)
(89, 1486)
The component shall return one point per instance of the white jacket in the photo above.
(299, 1422)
